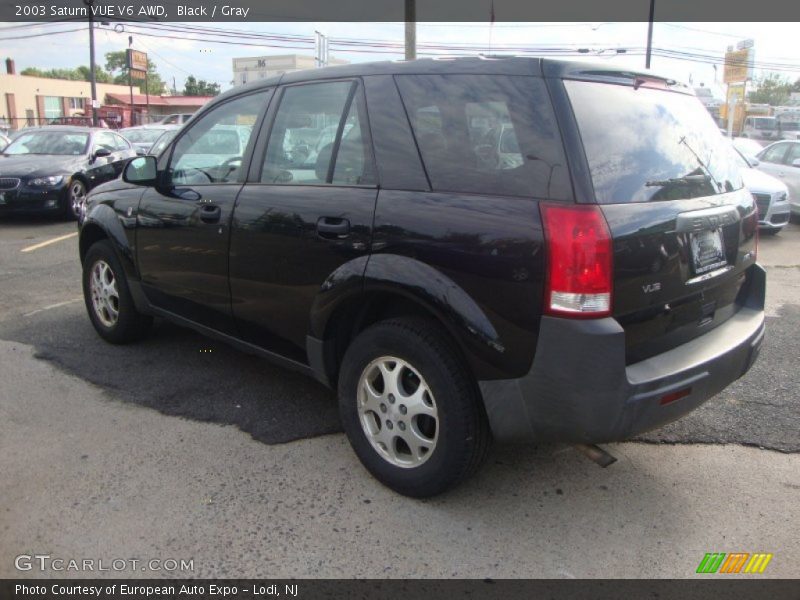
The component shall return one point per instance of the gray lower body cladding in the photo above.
(580, 390)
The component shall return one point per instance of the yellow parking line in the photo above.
(48, 242)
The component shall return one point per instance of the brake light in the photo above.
(579, 261)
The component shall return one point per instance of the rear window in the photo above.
(646, 145)
(486, 134)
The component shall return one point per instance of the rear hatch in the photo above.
(683, 226)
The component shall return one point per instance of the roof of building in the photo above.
(142, 100)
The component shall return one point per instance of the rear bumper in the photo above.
(579, 389)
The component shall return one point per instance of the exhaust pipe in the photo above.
(596, 454)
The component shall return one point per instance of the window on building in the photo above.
(53, 107)
(76, 103)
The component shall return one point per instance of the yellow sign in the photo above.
(737, 65)
(137, 60)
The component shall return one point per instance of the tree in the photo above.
(772, 89)
(81, 73)
(116, 64)
(192, 87)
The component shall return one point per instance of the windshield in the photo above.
(49, 142)
(764, 123)
(142, 135)
(790, 125)
(646, 144)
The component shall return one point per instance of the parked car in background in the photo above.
(174, 119)
(162, 141)
(771, 195)
(50, 169)
(143, 137)
(760, 128)
(782, 160)
(583, 280)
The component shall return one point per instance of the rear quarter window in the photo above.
(650, 144)
(487, 134)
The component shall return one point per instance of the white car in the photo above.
(782, 160)
(142, 137)
(771, 195)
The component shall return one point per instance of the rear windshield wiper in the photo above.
(687, 180)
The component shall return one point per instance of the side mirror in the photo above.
(753, 161)
(796, 162)
(140, 171)
(101, 152)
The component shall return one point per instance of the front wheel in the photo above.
(410, 408)
(76, 199)
(108, 298)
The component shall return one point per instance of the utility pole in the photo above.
(130, 78)
(92, 77)
(650, 33)
(411, 29)
(320, 50)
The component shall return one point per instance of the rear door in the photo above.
(305, 211)
(683, 225)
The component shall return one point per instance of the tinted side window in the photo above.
(774, 154)
(212, 150)
(317, 137)
(353, 162)
(487, 134)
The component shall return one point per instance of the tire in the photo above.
(437, 404)
(771, 231)
(74, 198)
(108, 298)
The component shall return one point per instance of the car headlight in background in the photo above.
(46, 181)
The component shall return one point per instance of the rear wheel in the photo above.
(108, 299)
(410, 409)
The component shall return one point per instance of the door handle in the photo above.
(210, 213)
(333, 227)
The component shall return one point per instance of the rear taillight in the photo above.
(579, 261)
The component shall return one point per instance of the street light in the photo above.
(92, 78)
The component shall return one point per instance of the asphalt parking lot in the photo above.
(180, 447)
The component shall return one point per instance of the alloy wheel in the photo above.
(398, 412)
(105, 296)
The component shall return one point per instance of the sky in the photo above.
(775, 43)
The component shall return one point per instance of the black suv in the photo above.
(508, 248)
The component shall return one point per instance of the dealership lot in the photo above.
(182, 448)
